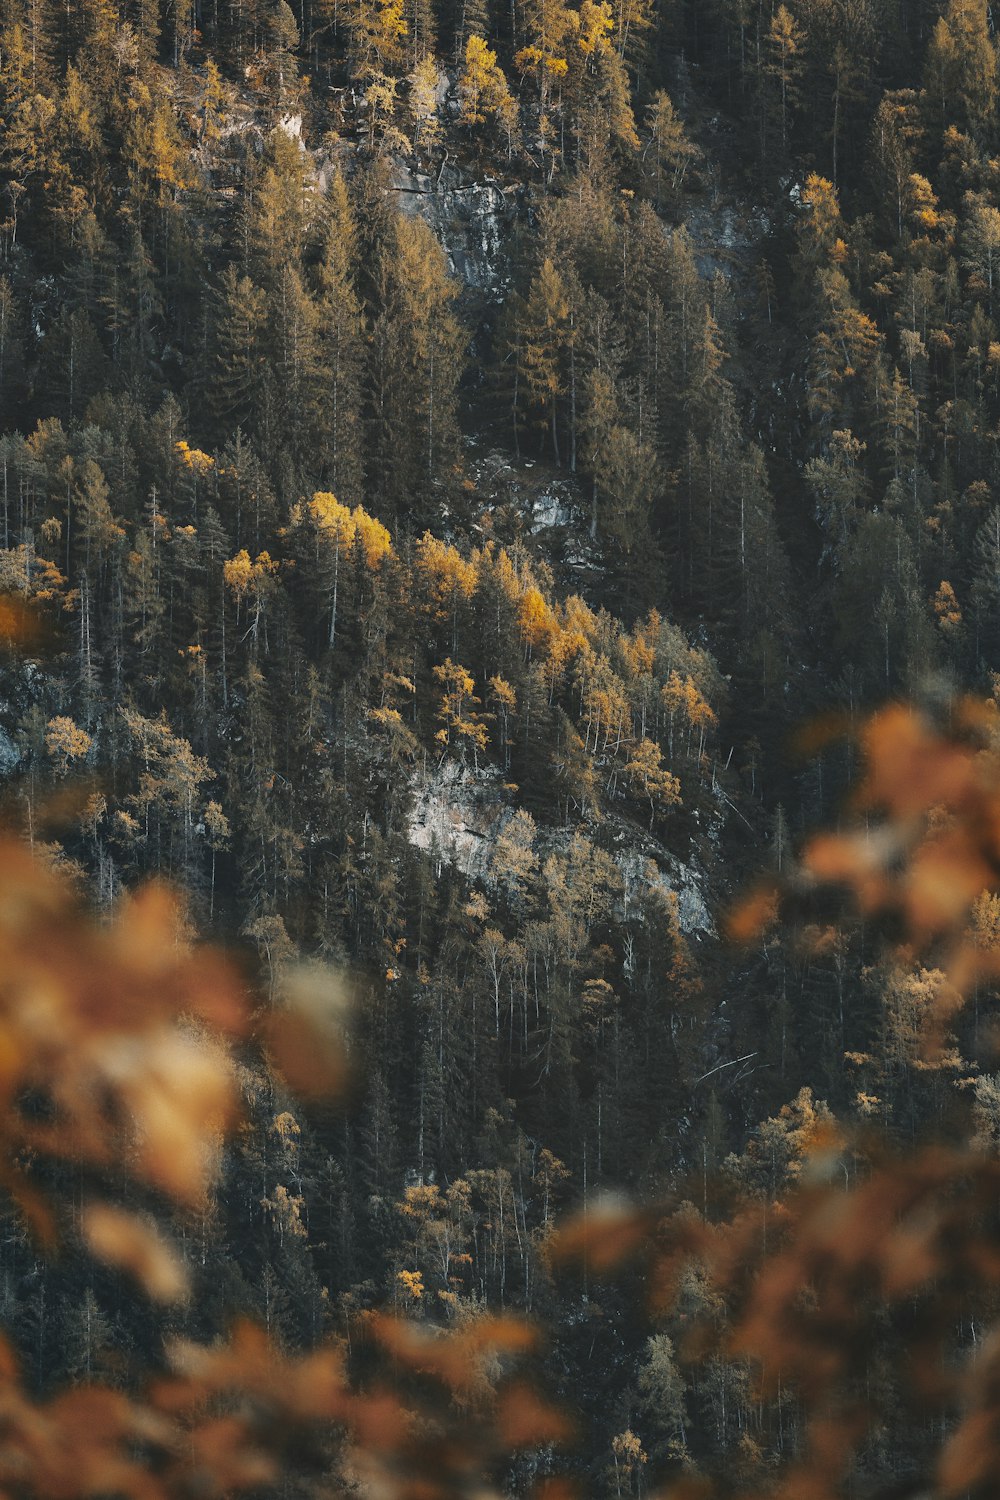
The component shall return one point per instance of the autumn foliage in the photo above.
(119, 1045)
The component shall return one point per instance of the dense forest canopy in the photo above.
(470, 474)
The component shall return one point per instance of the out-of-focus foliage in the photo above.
(446, 449)
(96, 1067)
(873, 1260)
(117, 1045)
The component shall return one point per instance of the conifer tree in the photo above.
(377, 30)
(420, 350)
(672, 153)
(550, 25)
(962, 65)
(785, 46)
(340, 351)
(472, 19)
(11, 351)
(544, 339)
(236, 388)
(288, 411)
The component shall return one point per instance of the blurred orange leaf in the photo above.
(753, 915)
(525, 1421)
(120, 1239)
(603, 1236)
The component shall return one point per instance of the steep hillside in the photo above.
(450, 451)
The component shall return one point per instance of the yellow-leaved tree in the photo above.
(483, 91)
(337, 532)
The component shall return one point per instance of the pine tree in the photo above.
(633, 22)
(377, 30)
(983, 244)
(672, 153)
(282, 41)
(279, 207)
(785, 41)
(986, 590)
(38, 21)
(288, 412)
(422, 33)
(11, 352)
(472, 19)
(74, 363)
(340, 349)
(962, 65)
(236, 385)
(419, 355)
(550, 25)
(544, 339)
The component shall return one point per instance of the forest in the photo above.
(499, 748)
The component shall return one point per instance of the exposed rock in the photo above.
(727, 237)
(546, 502)
(291, 125)
(687, 881)
(458, 814)
(555, 505)
(471, 219)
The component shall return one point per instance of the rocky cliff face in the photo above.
(472, 219)
(458, 814)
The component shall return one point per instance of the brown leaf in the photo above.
(603, 1236)
(855, 860)
(819, 732)
(453, 1357)
(910, 768)
(753, 915)
(124, 1241)
(945, 876)
(22, 625)
(970, 1455)
(525, 1421)
(306, 1035)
